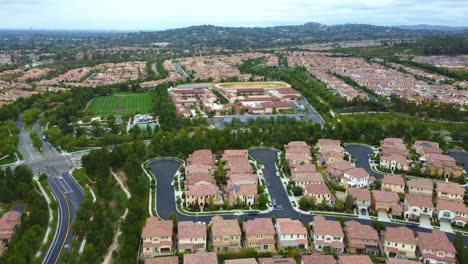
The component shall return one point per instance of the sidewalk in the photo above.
(51, 215)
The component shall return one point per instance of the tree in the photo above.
(349, 203)
(378, 226)
(211, 205)
(262, 201)
(297, 190)
(36, 141)
(460, 247)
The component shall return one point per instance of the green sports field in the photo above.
(119, 104)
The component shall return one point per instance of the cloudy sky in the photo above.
(163, 14)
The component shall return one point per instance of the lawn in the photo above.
(119, 104)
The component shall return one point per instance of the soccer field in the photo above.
(119, 104)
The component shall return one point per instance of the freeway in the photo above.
(165, 169)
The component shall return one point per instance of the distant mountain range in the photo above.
(432, 28)
(254, 37)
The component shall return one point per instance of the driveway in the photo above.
(383, 217)
(446, 226)
(425, 222)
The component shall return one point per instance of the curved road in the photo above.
(164, 171)
(361, 157)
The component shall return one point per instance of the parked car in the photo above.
(274, 202)
(172, 184)
(60, 177)
(239, 213)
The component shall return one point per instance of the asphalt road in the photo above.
(66, 191)
(361, 155)
(165, 203)
(69, 195)
(460, 156)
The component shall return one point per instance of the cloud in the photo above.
(159, 14)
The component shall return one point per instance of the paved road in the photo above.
(180, 70)
(69, 195)
(154, 69)
(67, 192)
(166, 169)
(460, 156)
(361, 155)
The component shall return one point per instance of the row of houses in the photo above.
(201, 187)
(264, 235)
(211, 258)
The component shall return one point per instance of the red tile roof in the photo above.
(189, 229)
(324, 227)
(400, 235)
(354, 259)
(393, 179)
(419, 200)
(157, 228)
(259, 226)
(201, 258)
(162, 260)
(435, 240)
(318, 259)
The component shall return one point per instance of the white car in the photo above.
(60, 177)
(277, 173)
(239, 213)
(172, 184)
(263, 167)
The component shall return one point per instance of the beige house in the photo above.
(435, 248)
(418, 205)
(157, 237)
(361, 239)
(450, 191)
(319, 192)
(393, 183)
(8, 223)
(202, 194)
(327, 233)
(191, 236)
(225, 234)
(291, 233)
(399, 242)
(201, 258)
(259, 234)
(385, 201)
(421, 186)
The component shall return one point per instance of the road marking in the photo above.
(65, 185)
(68, 224)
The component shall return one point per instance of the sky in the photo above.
(159, 14)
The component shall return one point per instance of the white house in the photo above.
(456, 213)
(356, 178)
(291, 233)
(418, 205)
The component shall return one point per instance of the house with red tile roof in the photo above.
(456, 213)
(291, 233)
(191, 236)
(401, 261)
(361, 239)
(441, 165)
(321, 143)
(399, 242)
(201, 258)
(434, 247)
(157, 238)
(362, 199)
(319, 192)
(276, 261)
(354, 259)
(241, 261)
(450, 191)
(303, 168)
(394, 161)
(355, 178)
(330, 154)
(308, 178)
(202, 156)
(8, 224)
(162, 260)
(419, 144)
(337, 169)
(385, 201)
(200, 179)
(197, 168)
(393, 183)
(317, 259)
(327, 233)
(200, 195)
(421, 186)
(245, 193)
(259, 234)
(226, 234)
(418, 205)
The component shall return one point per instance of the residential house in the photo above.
(157, 237)
(418, 205)
(441, 165)
(401, 261)
(399, 242)
(241, 261)
(191, 236)
(337, 169)
(394, 161)
(302, 168)
(162, 260)
(259, 234)
(435, 248)
(421, 186)
(201, 258)
(354, 259)
(420, 144)
(201, 195)
(320, 193)
(291, 233)
(386, 201)
(317, 259)
(202, 156)
(276, 261)
(8, 224)
(330, 154)
(450, 191)
(393, 183)
(361, 239)
(197, 168)
(225, 234)
(308, 178)
(246, 194)
(321, 143)
(453, 212)
(327, 233)
(356, 178)
(362, 199)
